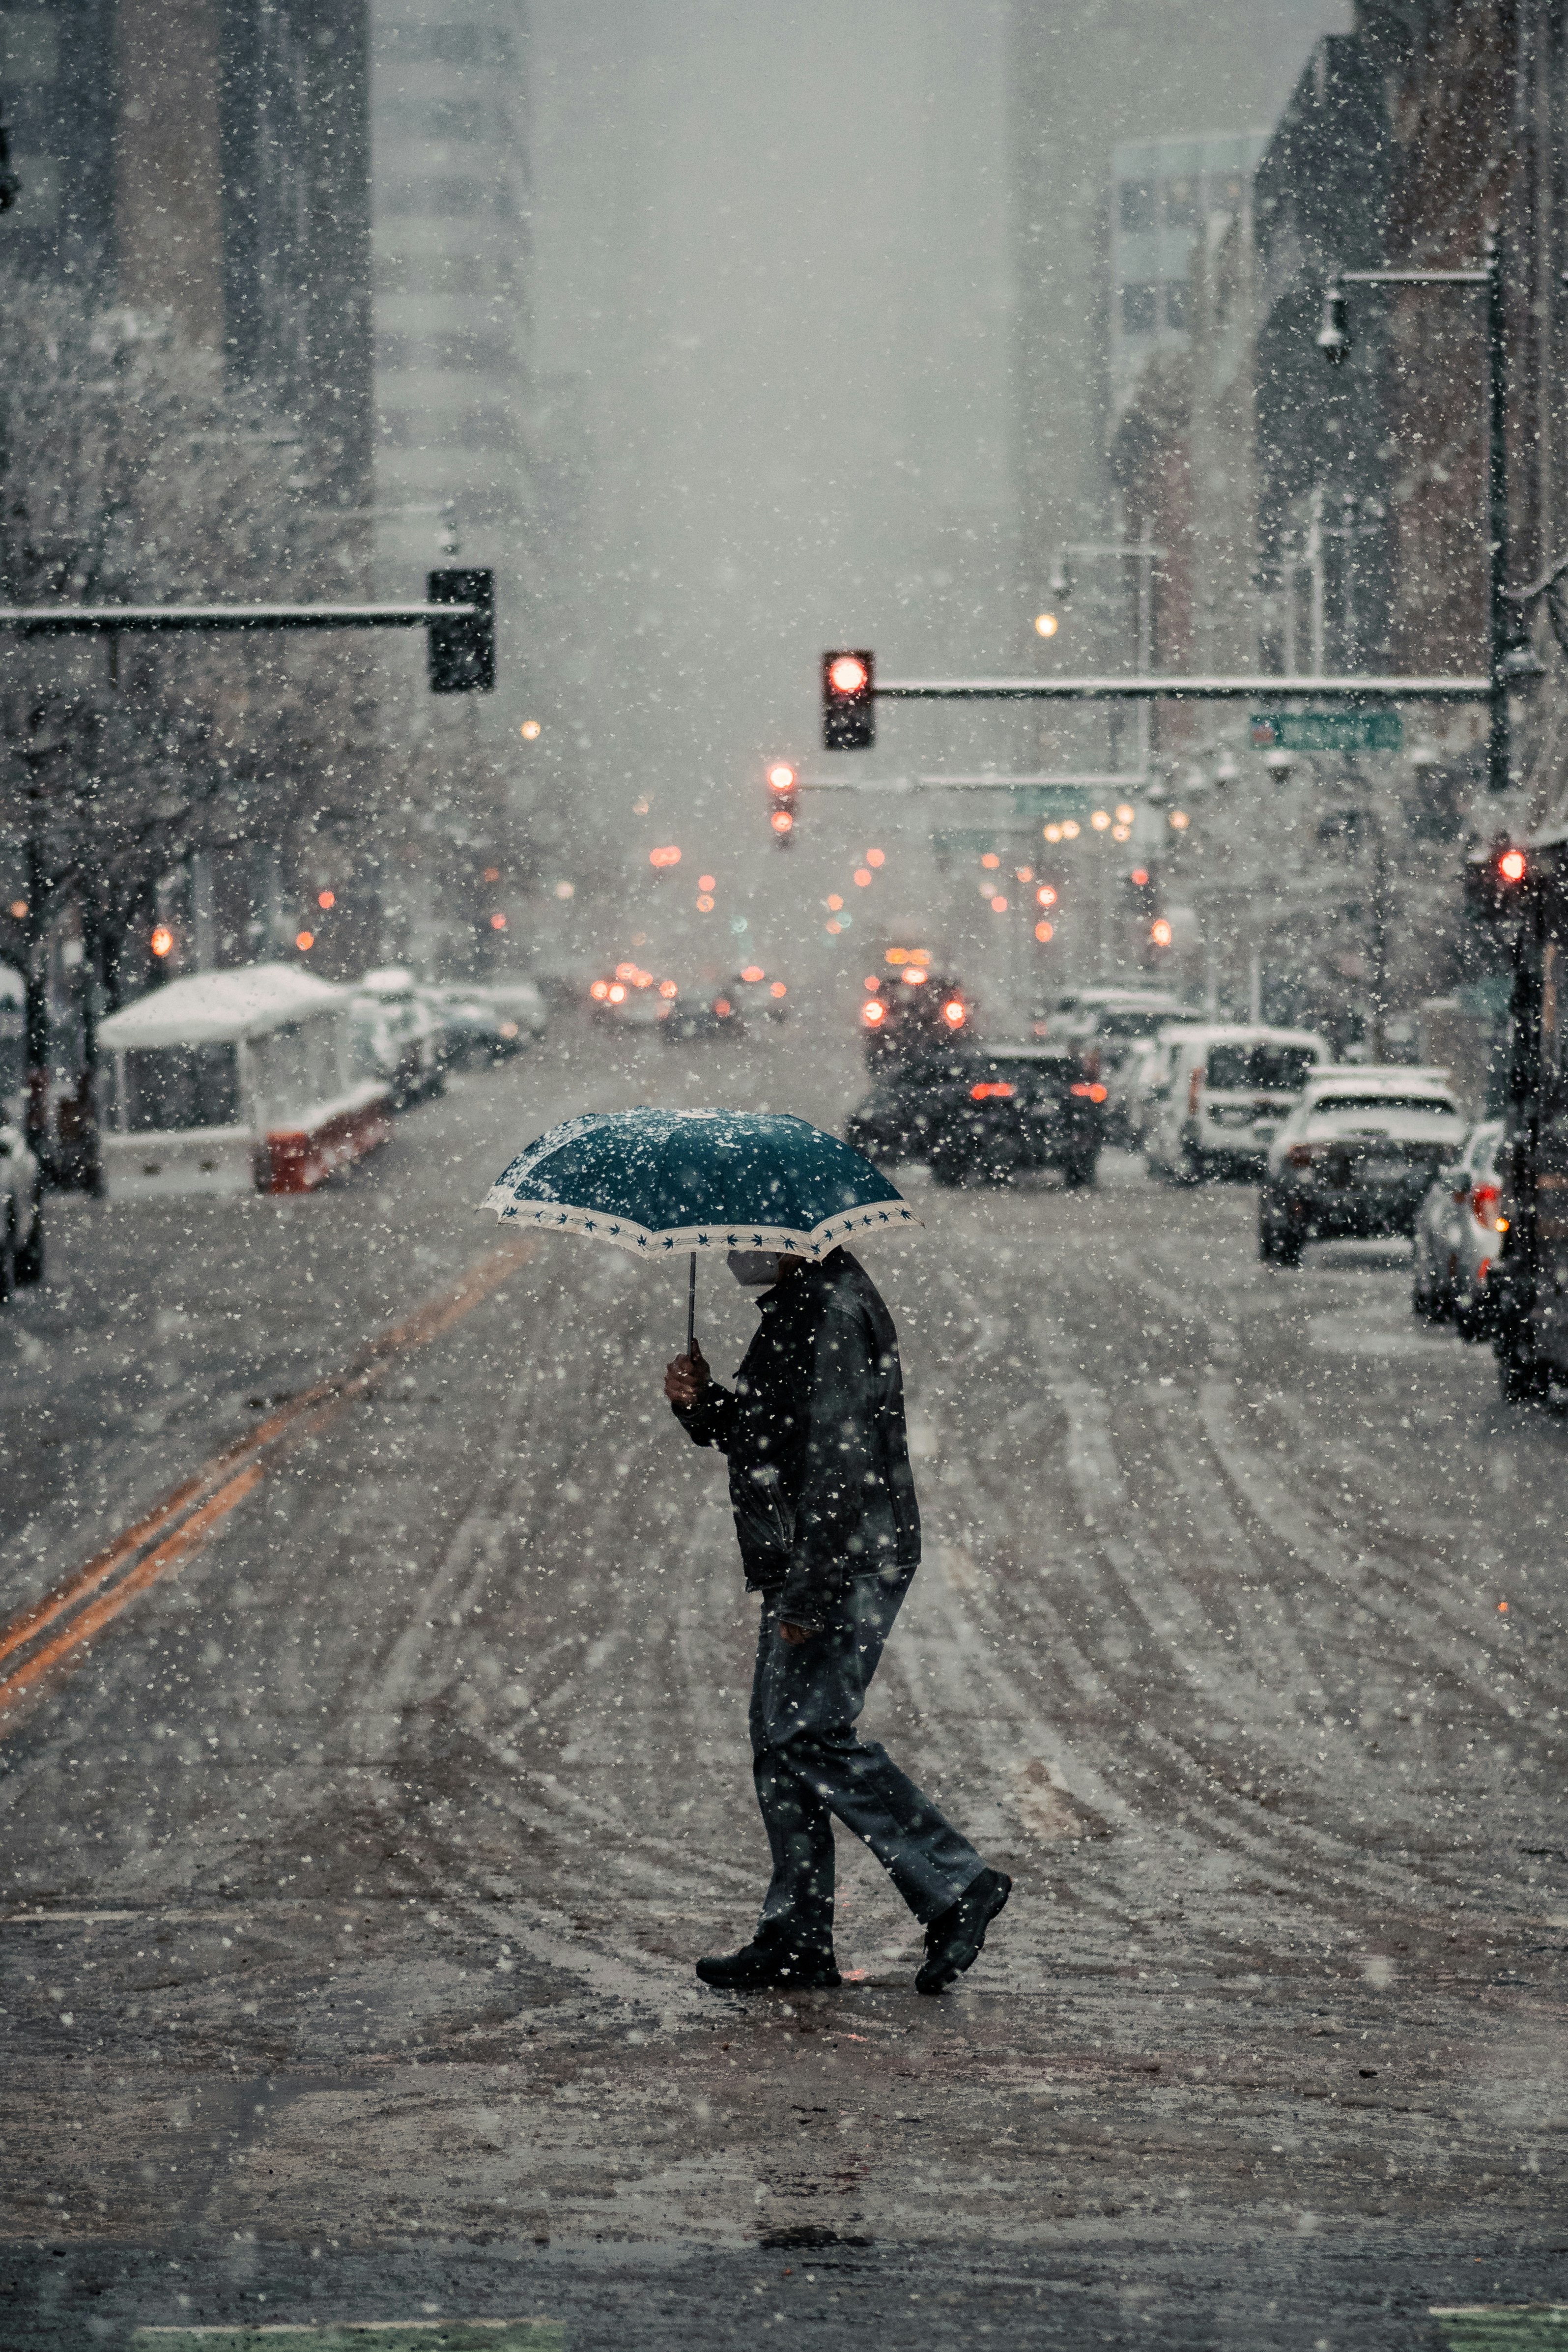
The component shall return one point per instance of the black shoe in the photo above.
(954, 1940)
(760, 1967)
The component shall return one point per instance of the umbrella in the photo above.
(661, 1183)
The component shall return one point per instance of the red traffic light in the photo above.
(849, 707)
(781, 776)
(781, 791)
(1513, 866)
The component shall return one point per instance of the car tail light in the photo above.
(874, 1011)
(723, 1007)
(1483, 1206)
(1301, 1155)
(989, 1090)
(1091, 1093)
(1194, 1089)
(668, 988)
(952, 1013)
(1483, 1269)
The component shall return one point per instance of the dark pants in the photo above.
(809, 1764)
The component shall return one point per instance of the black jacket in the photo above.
(819, 1461)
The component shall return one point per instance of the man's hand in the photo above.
(794, 1635)
(687, 1377)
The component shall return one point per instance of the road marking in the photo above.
(363, 2335)
(160, 1542)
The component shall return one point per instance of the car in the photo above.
(1218, 1104)
(1356, 1158)
(519, 1000)
(696, 1020)
(477, 1029)
(897, 1117)
(414, 1033)
(919, 1013)
(997, 1110)
(1457, 1237)
(21, 1211)
(633, 999)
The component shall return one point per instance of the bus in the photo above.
(228, 1082)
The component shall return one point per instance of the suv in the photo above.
(1000, 1109)
(1355, 1158)
(1217, 1106)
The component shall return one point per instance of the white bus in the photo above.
(234, 1082)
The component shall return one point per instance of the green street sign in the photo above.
(1053, 802)
(1328, 730)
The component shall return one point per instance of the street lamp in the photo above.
(1512, 661)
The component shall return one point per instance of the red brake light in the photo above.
(723, 1008)
(1483, 1203)
(1090, 1093)
(952, 1013)
(1512, 865)
(873, 1010)
(996, 1089)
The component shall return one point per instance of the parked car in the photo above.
(999, 1110)
(519, 1000)
(1222, 1096)
(413, 1033)
(21, 1209)
(476, 1030)
(1356, 1158)
(1457, 1237)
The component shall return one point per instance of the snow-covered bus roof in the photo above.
(210, 1008)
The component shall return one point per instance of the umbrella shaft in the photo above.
(692, 1308)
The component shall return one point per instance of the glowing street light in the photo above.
(530, 730)
(1101, 820)
(162, 941)
(1124, 814)
(1044, 932)
(1046, 624)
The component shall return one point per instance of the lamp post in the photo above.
(1510, 660)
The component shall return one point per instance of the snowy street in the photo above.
(355, 1861)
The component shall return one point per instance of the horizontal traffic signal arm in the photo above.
(1273, 689)
(459, 615)
(139, 620)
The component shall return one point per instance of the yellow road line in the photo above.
(187, 1516)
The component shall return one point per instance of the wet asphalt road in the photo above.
(350, 1883)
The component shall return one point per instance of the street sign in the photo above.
(1328, 730)
(1053, 802)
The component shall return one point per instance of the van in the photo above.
(1222, 1098)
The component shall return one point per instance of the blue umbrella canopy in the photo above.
(658, 1181)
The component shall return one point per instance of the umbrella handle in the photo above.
(692, 1310)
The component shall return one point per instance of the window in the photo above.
(1179, 308)
(1260, 1069)
(180, 1086)
(1140, 311)
(1332, 1105)
(1138, 207)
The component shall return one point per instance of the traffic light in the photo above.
(1497, 882)
(1142, 891)
(463, 652)
(849, 707)
(781, 791)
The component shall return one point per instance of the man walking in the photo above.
(830, 1535)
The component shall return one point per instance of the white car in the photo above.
(519, 1000)
(1222, 1096)
(1458, 1231)
(21, 1207)
(1356, 1158)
